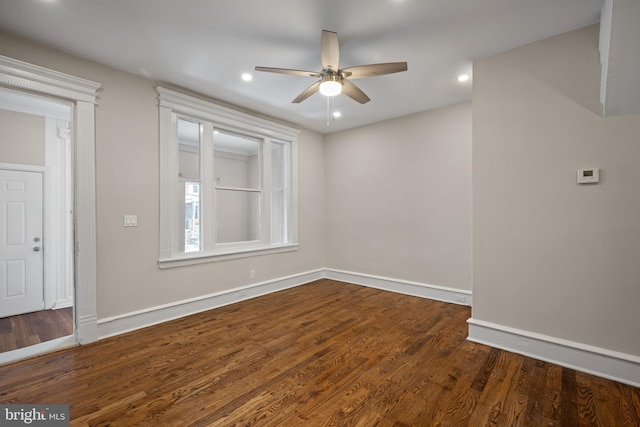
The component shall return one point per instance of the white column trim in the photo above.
(85, 217)
(168, 184)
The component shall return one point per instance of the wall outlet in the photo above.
(252, 274)
(131, 220)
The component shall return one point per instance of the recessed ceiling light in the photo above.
(247, 77)
(337, 114)
(463, 78)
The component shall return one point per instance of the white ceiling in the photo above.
(205, 45)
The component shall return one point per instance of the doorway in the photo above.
(82, 95)
(36, 238)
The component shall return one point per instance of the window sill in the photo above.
(186, 259)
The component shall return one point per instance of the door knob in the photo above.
(36, 249)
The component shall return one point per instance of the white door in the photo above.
(21, 260)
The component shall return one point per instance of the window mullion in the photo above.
(207, 193)
(292, 193)
(265, 218)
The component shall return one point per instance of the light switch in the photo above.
(131, 220)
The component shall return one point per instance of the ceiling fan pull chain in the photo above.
(333, 109)
(328, 98)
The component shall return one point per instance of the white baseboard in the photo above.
(128, 322)
(423, 290)
(87, 328)
(613, 365)
(37, 349)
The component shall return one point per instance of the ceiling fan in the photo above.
(333, 80)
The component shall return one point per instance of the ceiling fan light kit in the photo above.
(333, 80)
(330, 85)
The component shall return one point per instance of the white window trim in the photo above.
(173, 104)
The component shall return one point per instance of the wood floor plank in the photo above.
(551, 402)
(569, 398)
(536, 393)
(587, 414)
(24, 330)
(490, 403)
(458, 400)
(323, 354)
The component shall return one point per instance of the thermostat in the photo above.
(588, 176)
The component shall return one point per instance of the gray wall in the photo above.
(551, 256)
(398, 198)
(23, 138)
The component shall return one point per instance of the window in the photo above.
(228, 183)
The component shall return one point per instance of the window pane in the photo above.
(278, 187)
(236, 161)
(237, 216)
(278, 217)
(191, 216)
(188, 150)
(189, 178)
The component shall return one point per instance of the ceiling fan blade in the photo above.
(329, 50)
(288, 71)
(372, 70)
(354, 92)
(307, 93)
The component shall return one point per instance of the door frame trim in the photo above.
(83, 93)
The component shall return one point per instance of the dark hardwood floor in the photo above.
(28, 329)
(322, 354)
